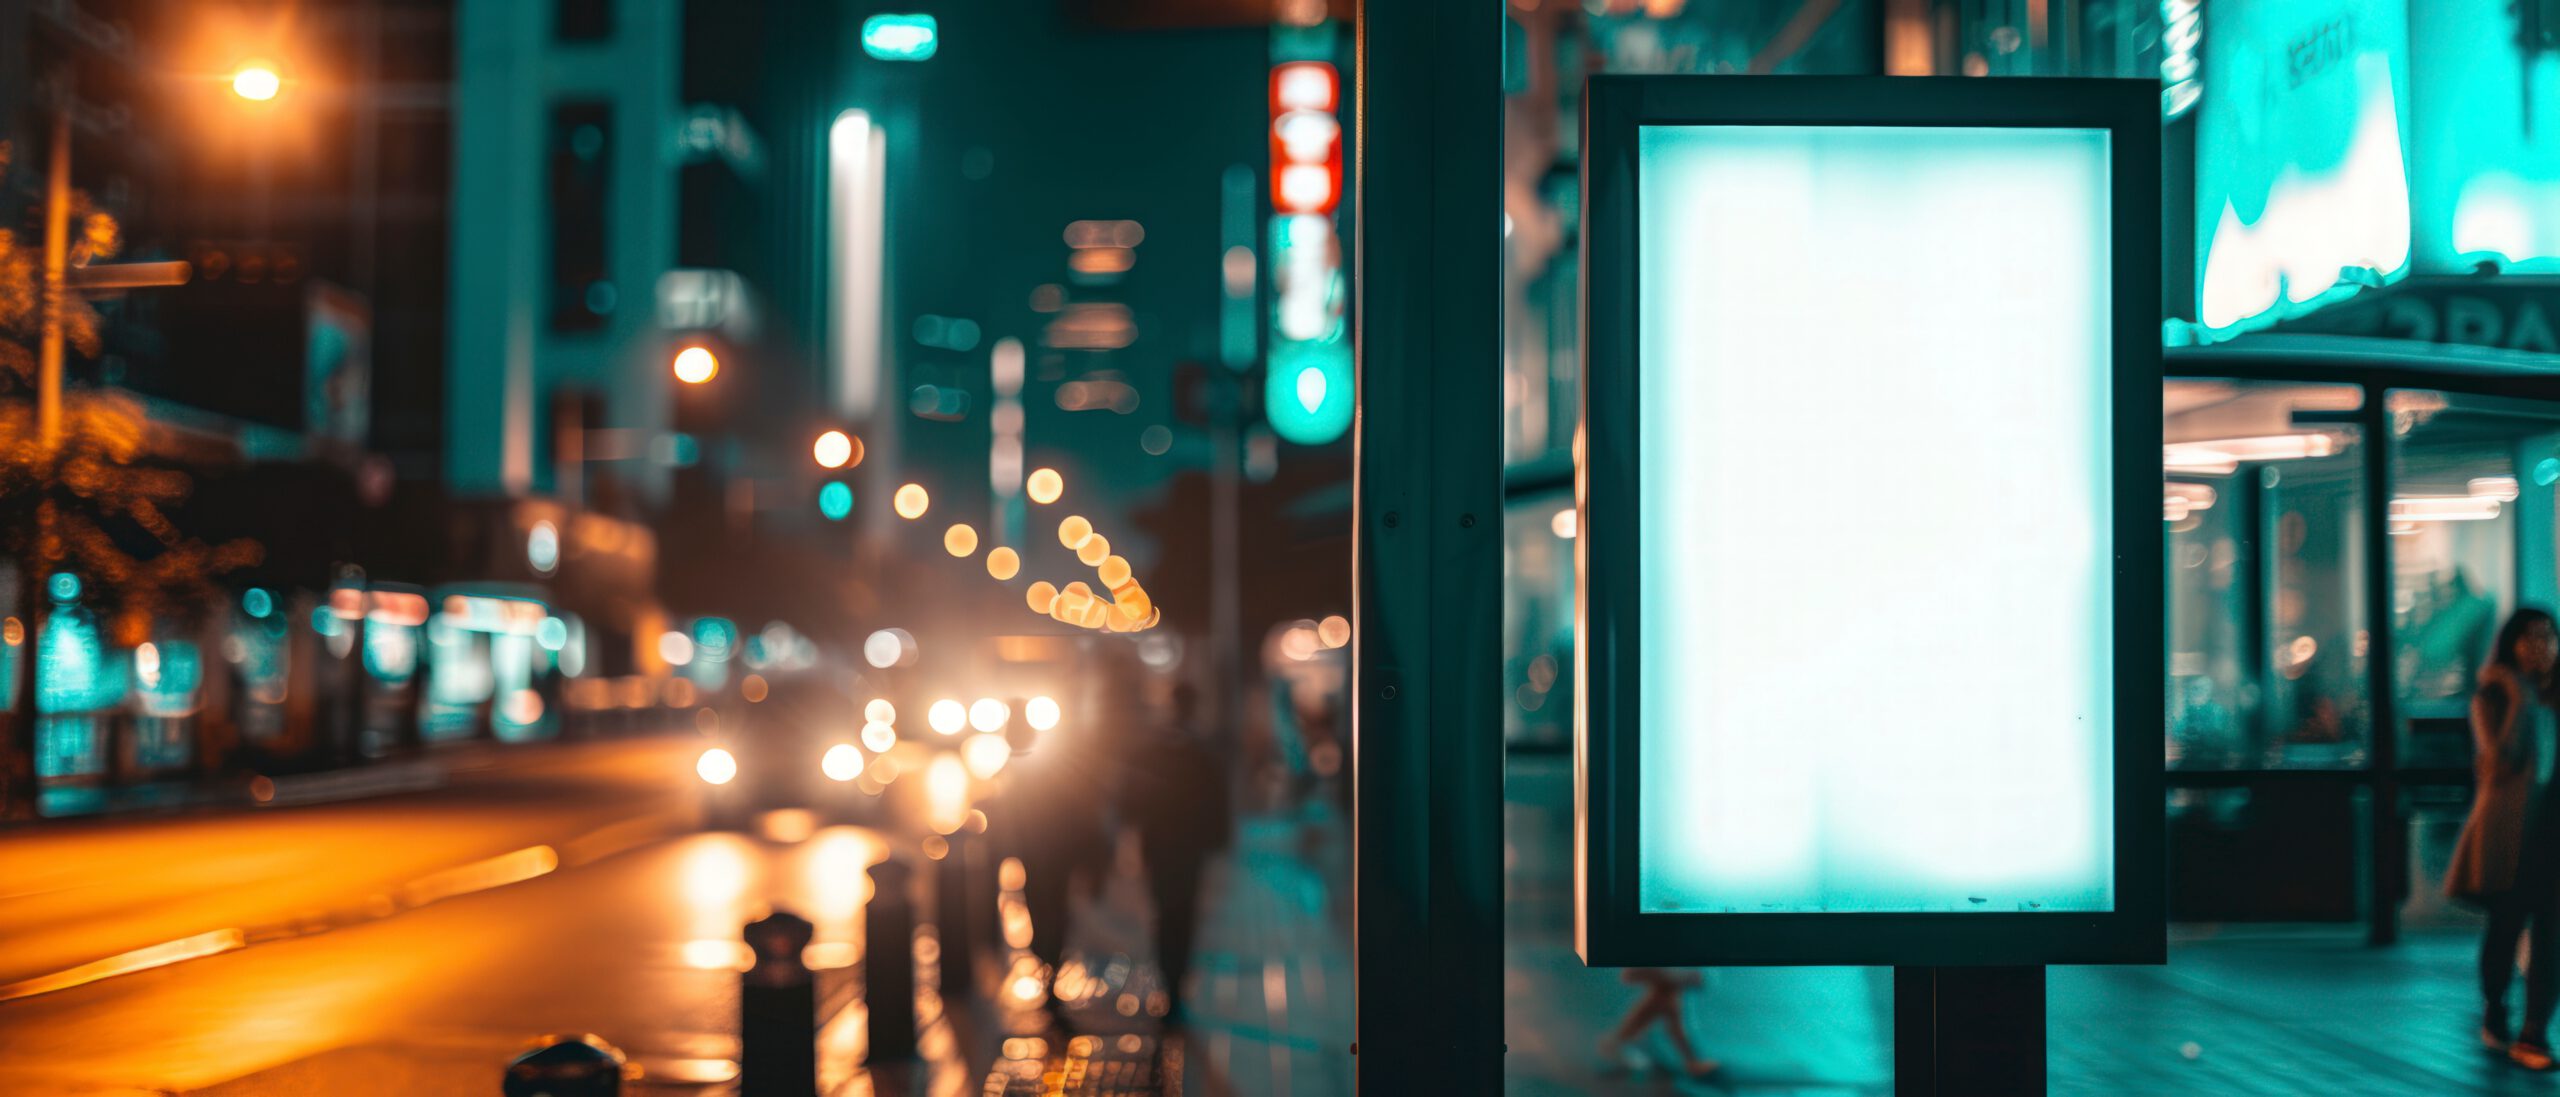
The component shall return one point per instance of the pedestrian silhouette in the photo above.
(1177, 796)
(2508, 858)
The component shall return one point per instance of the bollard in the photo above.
(953, 925)
(566, 1066)
(778, 1012)
(889, 962)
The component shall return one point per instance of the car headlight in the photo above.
(716, 766)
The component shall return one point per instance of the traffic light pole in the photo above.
(1427, 548)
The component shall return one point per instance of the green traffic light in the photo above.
(1307, 392)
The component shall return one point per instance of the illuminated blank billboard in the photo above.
(1866, 627)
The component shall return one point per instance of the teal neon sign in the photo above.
(900, 37)
(2302, 177)
(2487, 140)
(2181, 56)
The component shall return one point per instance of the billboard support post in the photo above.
(1967, 1030)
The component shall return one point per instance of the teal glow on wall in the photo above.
(1876, 657)
(2486, 145)
(2302, 177)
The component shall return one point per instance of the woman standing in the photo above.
(2508, 861)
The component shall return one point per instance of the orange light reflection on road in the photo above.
(839, 886)
(716, 872)
(498, 871)
(126, 963)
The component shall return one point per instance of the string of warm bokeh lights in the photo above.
(1121, 605)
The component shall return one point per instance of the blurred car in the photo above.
(790, 742)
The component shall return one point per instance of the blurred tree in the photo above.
(92, 505)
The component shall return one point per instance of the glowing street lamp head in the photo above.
(256, 81)
(695, 365)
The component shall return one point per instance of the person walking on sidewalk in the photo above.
(1179, 800)
(2508, 859)
(1664, 990)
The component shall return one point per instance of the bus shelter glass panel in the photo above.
(2262, 504)
(2472, 482)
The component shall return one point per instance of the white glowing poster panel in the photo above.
(1877, 658)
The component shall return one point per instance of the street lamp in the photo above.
(256, 81)
(695, 365)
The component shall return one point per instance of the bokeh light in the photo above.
(716, 766)
(1113, 570)
(1334, 631)
(1299, 643)
(985, 755)
(256, 81)
(889, 647)
(1045, 485)
(675, 647)
(834, 449)
(946, 793)
(695, 365)
(960, 540)
(842, 762)
(989, 714)
(878, 737)
(880, 711)
(912, 501)
(1042, 596)
(1003, 562)
(1094, 550)
(1041, 713)
(1074, 531)
(947, 716)
(835, 501)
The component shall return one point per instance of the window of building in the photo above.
(582, 297)
(582, 20)
(2262, 500)
(2472, 482)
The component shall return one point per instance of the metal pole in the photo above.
(1226, 614)
(2388, 867)
(18, 780)
(1427, 548)
(57, 247)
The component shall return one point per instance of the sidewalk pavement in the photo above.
(2248, 1011)
(1271, 1001)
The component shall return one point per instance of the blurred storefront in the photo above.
(2361, 238)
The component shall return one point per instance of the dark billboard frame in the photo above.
(1610, 927)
